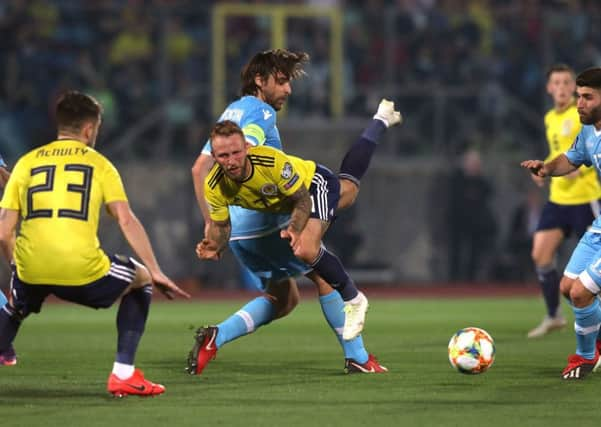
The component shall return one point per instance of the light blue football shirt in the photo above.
(258, 122)
(586, 150)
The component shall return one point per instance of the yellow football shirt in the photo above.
(274, 176)
(59, 189)
(562, 129)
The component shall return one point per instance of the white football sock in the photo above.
(123, 371)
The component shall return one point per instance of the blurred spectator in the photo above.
(178, 43)
(514, 264)
(133, 42)
(135, 51)
(471, 224)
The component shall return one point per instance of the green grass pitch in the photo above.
(290, 373)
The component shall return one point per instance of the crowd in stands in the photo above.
(137, 56)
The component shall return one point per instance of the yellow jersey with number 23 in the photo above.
(59, 189)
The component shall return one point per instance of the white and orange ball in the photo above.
(471, 351)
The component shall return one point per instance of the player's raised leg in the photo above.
(357, 159)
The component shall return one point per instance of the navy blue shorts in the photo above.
(569, 218)
(325, 194)
(102, 293)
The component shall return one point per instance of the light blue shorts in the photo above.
(269, 257)
(585, 262)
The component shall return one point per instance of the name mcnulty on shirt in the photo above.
(70, 151)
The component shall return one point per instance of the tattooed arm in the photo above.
(299, 216)
(215, 240)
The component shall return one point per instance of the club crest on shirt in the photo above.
(287, 170)
(269, 189)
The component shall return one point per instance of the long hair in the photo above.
(271, 62)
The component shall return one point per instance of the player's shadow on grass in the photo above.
(258, 367)
(27, 394)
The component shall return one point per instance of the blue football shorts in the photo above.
(585, 262)
(102, 293)
(569, 218)
(269, 257)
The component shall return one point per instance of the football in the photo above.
(471, 351)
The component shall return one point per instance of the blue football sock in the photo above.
(332, 307)
(549, 282)
(249, 318)
(328, 266)
(3, 299)
(357, 159)
(587, 321)
(131, 319)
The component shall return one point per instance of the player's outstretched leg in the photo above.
(356, 358)
(209, 339)
(203, 351)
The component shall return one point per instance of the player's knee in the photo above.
(307, 253)
(143, 276)
(348, 193)
(565, 285)
(541, 258)
(284, 296)
(580, 296)
(535, 256)
(288, 305)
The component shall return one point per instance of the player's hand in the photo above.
(536, 167)
(539, 181)
(387, 115)
(208, 249)
(292, 236)
(166, 285)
